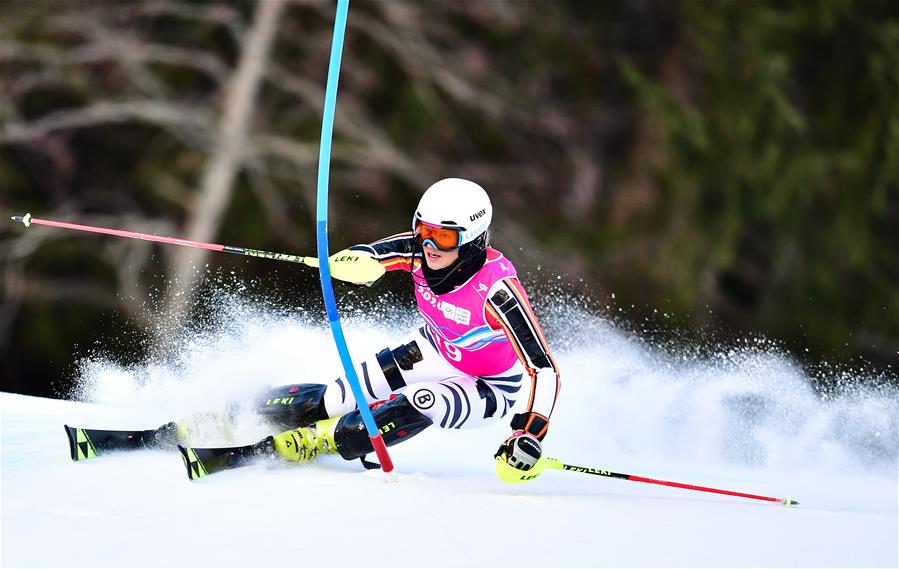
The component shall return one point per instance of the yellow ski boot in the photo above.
(306, 443)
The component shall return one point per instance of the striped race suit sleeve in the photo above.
(395, 253)
(508, 306)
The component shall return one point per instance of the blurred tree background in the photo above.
(734, 164)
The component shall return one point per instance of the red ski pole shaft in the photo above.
(347, 265)
(27, 220)
(558, 465)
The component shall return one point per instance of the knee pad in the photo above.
(401, 358)
(489, 397)
(293, 406)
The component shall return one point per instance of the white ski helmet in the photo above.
(454, 203)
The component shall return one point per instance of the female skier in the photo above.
(465, 368)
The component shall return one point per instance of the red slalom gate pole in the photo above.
(558, 465)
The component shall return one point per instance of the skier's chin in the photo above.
(437, 260)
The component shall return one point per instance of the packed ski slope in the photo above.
(744, 420)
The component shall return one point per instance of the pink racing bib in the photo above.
(458, 324)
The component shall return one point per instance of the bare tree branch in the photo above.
(115, 48)
(226, 158)
(419, 59)
(170, 115)
(174, 190)
(301, 153)
(275, 207)
(379, 150)
(26, 82)
(217, 14)
(298, 173)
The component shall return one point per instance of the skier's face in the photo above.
(437, 259)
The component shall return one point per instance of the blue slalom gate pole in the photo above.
(324, 271)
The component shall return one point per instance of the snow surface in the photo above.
(743, 420)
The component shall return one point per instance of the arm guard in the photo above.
(508, 304)
(395, 252)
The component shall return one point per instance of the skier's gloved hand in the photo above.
(358, 267)
(518, 458)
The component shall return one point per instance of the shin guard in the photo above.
(293, 406)
(397, 420)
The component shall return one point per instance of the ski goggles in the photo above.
(440, 238)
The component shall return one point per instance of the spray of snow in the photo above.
(623, 399)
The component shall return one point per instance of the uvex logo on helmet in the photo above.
(481, 213)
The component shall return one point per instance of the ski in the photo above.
(202, 462)
(85, 444)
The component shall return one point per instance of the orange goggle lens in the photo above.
(440, 237)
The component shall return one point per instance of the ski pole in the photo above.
(559, 465)
(347, 265)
